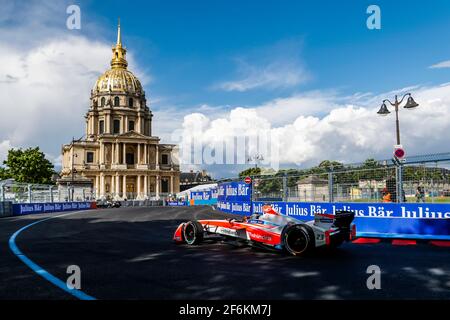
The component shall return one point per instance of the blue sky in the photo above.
(308, 72)
(189, 46)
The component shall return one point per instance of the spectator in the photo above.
(420, 194)
(386, 195)
(391, 188)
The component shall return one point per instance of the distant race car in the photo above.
(108, 204)
(272, 230)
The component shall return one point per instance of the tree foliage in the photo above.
(4, 174)
(345, 176)
(251, 172)
(28, 166)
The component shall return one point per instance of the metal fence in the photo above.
(37, 193)
(420, 180)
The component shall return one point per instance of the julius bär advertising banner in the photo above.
(214, 193)
(234, 191)
(408, 220)
(204, 197)
(236, 207)
(32, 208)
(176, 203)
(235, 197)
(201, 195)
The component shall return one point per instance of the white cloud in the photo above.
(4, 147)
(345, 132)
(306, 104)
(440, 65)
(279, 66)
(46, 89)
(277, 74)
(46, 76)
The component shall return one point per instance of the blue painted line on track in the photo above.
(38, 269)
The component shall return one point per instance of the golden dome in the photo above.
(118, 78)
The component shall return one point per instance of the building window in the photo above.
(131, 126)
(90, 157)
(102, 102)
(130, 102)
(116, 128)
(101, 127)
(164, 185)
(116, 101)
(130, 158)
(165, 159)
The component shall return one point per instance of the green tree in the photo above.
(330, 165)
(4, 174)
(251, 172)
(370, 164)
(29, 166)
(273, 184)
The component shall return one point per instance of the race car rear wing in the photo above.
(342, 219)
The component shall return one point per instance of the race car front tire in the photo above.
(298, 239)
(193, 232)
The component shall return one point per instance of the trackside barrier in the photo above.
(142, 203)
(33, 208)
(388, 220)
(206, 197)
(5, 208)
(176, 204)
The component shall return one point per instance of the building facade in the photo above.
(118, 154)
(191, 179)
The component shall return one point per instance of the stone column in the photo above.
(146, 186)
(125, 124)
(117, 184)
(157, 157)
(171, 184)
(145, 153)
(91, 125)
(138, 193)
(101, 153)
(138, 154)
(158, 181)
(124, 186)
(116, 149)
(113, 152)
(102, 184)
(138, 124)
(108, 123)
(97, 186)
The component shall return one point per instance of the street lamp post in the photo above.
(384, 111)
(257, 158)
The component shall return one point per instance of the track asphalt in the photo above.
(128, 253)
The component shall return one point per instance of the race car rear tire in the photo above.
(298, 239)
(193, 232)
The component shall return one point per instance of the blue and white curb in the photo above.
(41, 271)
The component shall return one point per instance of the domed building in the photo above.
(118, 155)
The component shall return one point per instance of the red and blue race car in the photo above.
(274, 231)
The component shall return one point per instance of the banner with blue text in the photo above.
(33, 208)
(234, 191)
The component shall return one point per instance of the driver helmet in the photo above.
(267, 209)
